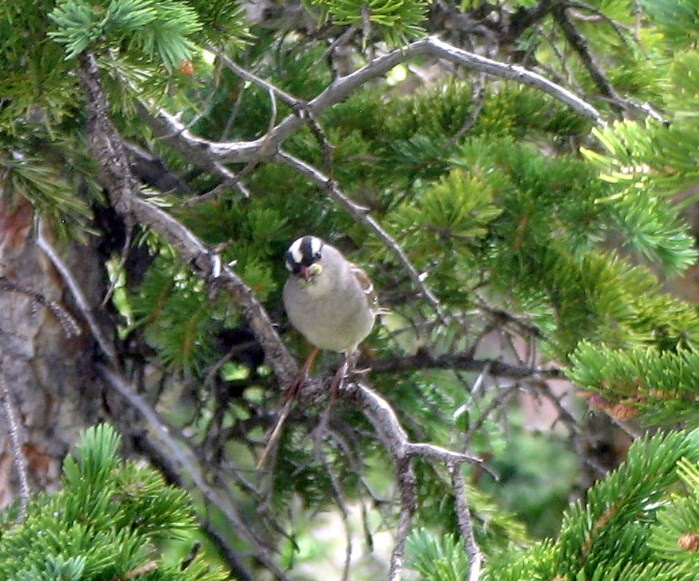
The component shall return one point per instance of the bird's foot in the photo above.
(295, 386)
(338, 380)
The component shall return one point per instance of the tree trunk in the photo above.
(48, 374)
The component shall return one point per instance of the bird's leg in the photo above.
(341, 374)
(289, 397)
(350, 357)
(300, 379)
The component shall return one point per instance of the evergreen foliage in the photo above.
(110, 520)
(396, 21)
(636, 524)
(545, 239)
(436, 558)
(660, 384)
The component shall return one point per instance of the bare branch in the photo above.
(270, 450)
(387, 425)
(384, 419)
(209, 154)
(433, 46)
(463, 513)
(105, 345)
(499, 400)
(236, 180)
(343, 87)
(340, 502)
(436, 47)
(70, 327)
(18, 457)
(201, 152)
(251, 77)
(407, 485)
(621, 29)
(527, 17)
(579, 44)
(443, 455)
(463, 361)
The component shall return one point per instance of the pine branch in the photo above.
(162, 459)
(108, 520)
(108, 150)
(464, 361)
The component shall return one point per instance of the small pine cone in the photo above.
(689, 542)
(186, 68)
(622, 411)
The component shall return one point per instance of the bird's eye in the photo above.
(316, 256)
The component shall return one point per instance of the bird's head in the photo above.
(304, 259)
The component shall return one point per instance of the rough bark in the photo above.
(49, 374)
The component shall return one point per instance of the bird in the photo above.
(332, 303)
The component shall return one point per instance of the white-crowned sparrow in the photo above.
(332, 303)
(330, 300)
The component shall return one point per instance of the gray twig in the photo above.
(253, 78)
(463, 514)
(579, 44)
(18, 457)
(464, 361)
(68, 324)
(105, 345)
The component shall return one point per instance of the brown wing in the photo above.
(367, 286)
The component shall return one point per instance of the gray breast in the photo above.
(337, 321)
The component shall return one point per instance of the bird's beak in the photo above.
(308, 273)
